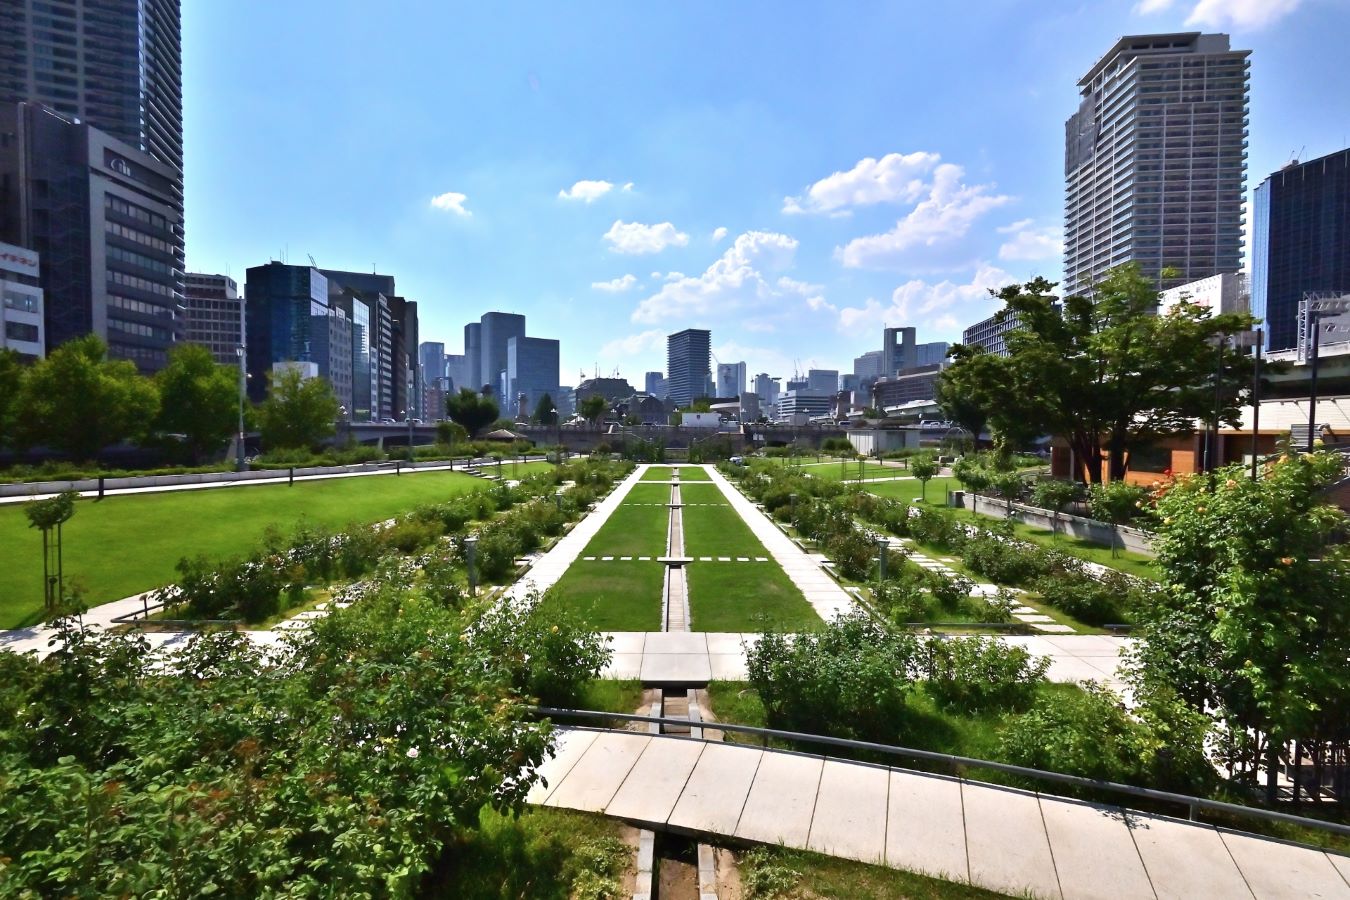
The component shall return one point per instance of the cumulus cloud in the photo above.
(736, 281)
(615, 285)
(1030, 243)
(934, 306)
(895, 178)
(633, 344)
(718, 234)
(939, 220)
(636, 238)
(588, 191)
(451, 201)
(1239, 15)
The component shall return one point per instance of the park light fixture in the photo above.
(470, 553)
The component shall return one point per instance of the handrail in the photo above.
(1192, 803)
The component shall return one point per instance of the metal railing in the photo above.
(1193, 804)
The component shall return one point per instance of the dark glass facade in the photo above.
(1301, 242)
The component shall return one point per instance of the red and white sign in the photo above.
(19, 260)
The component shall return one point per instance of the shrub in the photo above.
(853, 553)
(1104, 599)
(549, 652)
(498, 549)
(1002, 560)
(1116, 501)
(937, 528)
(950, 591)
(978, 673)
(409, 534)
(1053, 494)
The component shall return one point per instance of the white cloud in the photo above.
(642, 342)
(451, 201)
(940, 219)
(936, 307)
(895, 178)
(718, 234)
(615, 285)
(628, 187)
(734, 282)
(1031, 243)
(1251, 15)
(587, 191)
(634, 237)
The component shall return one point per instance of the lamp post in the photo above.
(882, 546)
(239, 463)
(407, 416)
(1256, 399)
(470, 552)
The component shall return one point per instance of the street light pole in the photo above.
(243, 389)
(1256, 400)
(1312, 389)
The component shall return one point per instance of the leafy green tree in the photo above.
(198, 398)
(593, 407)
(79, 401)
(923, 468)
(11, 385)
(1054, 494)
(1253, 624)
(1009, 485)
(472, 411)
(545, 412)
(1104, 372)
(298, 413)
(451, 433)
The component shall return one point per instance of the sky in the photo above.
(792, 176)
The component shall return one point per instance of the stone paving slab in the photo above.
(676, 668)
(1186, 861)
(1006, 841)
(569, 745)
(649, 792)
(603, 767)
(715, 793)
(850, 816)
(925, 829)
(1276, 869)
(1089, 839)
(782, 800)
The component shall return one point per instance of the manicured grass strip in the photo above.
(613, 596)
(616, 695)
(632, 531)
(126, 544)
(815, 875)
(648, 493)
(657, 473)
(751, 596)
(913, 490)
(702, 492)
(717, 531)
(694, 473)
(514, 471)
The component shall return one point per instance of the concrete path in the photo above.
(1015, 842)
(695, 657)
(820, 590)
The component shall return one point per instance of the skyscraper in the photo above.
(104, 219)
(214, 315)
(473, 357)
(688, 353)
(730, 379)
(1301, 241)
(1155, 160)
(532, 369)
(497, 328)
(897, 350)
(114, 64)
(654, 383)
(288, 319)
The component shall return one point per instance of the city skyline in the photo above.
(575, 186)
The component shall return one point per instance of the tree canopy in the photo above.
(1105, 372)
(199, 399)
(79, 401)
(593, 407)
(545, 412)
(472, 411)
(11, 381)
(298, 413)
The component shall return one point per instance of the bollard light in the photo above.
(470, 551)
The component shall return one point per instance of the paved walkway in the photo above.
(696, 657)
(1006, 840)
(820, 590)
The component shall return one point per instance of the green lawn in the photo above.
(694, 473)
(718, 531)
(657, 473)
(809, 874)
(736, 596)
(702, 492)
(913, 489)
(613, 596)
(648, 493)
(514, 471)
(632, 530)
(126, 544)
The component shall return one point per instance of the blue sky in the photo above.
(793, 176)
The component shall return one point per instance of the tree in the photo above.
(545, 412)
(1054, 494)
(924, 468)
(1104, 372)
(47, 516)
(451, 433)
(973, 475)
(11, 385)
(298, 413)
(593, 407)
(1253, 623)
(962, 390)
(198, 398)
(472, 411)
(79, 401)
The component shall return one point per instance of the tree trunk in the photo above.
(1116, 453)
(1272, 770)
